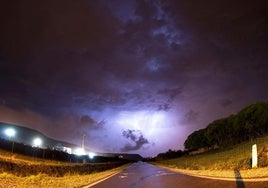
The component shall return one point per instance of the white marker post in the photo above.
(254, 156)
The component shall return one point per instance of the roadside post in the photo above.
(254, 156)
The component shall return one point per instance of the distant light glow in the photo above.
(37, 142)
(67, 150)
(91, 155)
(79, 151)
(10, 132)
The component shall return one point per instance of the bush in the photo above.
(263, 157)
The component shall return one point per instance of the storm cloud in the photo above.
(137, 139)
(78, 66)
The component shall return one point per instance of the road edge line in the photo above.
(113, 174)
(92, 184)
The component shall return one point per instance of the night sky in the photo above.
(133, 76)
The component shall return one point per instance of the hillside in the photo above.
(26, 136)
(230, 158)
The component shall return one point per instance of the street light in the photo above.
(10, 132)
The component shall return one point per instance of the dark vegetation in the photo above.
(250, 123)
(20, 169)
(170, 154)
(50, 154)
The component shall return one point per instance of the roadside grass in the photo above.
(28, 160)
(45, 181)
(236, 157)
(244, 174)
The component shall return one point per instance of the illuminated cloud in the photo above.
(137, 139)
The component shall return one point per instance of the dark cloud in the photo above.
(84, 61)
(137, 139)
(226, 102)
(224, 34)
(55, 24)
(191, 116)
(238, 22)
(90, 123)
(170, 93)
(164, 107)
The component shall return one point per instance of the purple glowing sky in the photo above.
(134, 76)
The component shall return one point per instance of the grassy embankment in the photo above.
(222, 162)
(60, 174)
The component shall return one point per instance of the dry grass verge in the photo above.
(236, 157)
(244, 174)
(45, 181)
(224, 162)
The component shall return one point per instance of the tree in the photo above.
(250, 122)
(196, 140)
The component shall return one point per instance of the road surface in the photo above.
(144, 175)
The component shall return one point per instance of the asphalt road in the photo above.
(144, 175)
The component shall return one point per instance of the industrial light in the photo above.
(91, 155)
(79, 151)
(37, 142)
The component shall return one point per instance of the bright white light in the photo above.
(145, 121)
(91, 155)
(37, 142)
(10, 132)
(79, 151)
(67, 150)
